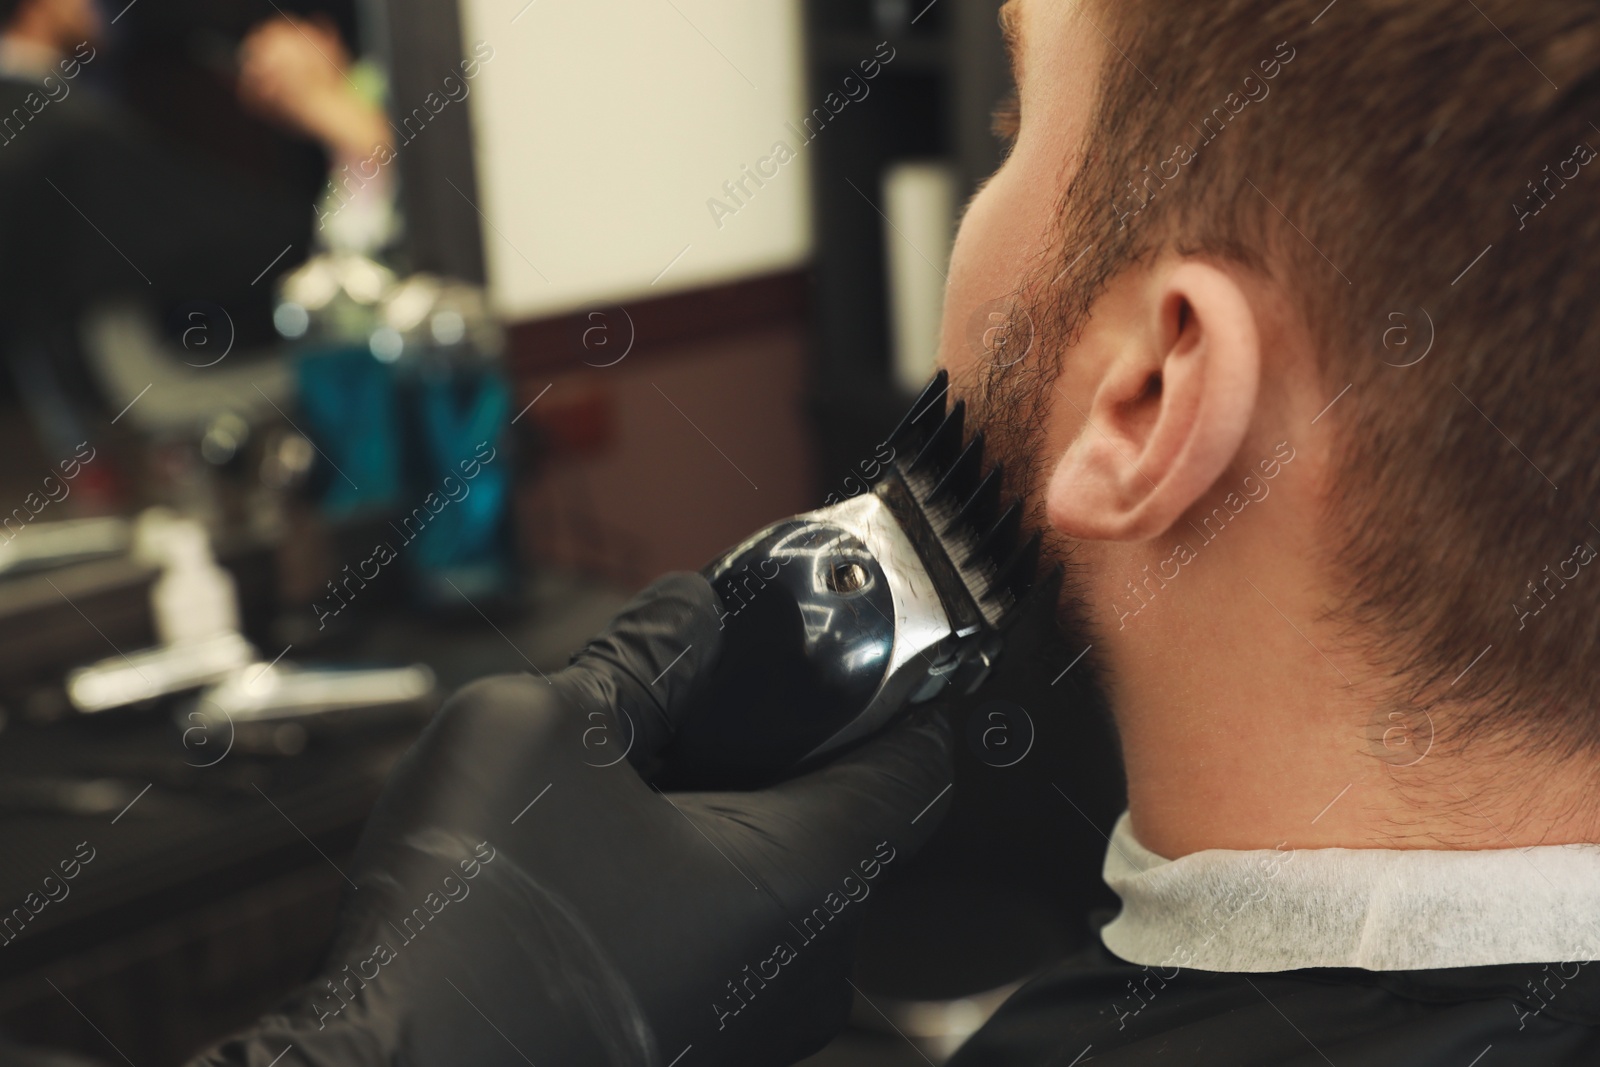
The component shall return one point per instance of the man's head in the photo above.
(1308, 394)
(58, 24)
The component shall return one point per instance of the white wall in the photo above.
(603, 127)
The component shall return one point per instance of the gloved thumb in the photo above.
(651, 660)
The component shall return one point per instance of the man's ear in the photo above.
(1169, 410)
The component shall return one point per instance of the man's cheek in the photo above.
(988, 265)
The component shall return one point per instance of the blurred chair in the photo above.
(172, 391)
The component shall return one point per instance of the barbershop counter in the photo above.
(156, 890)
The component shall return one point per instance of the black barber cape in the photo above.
(1097, 1009)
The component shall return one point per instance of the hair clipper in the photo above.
(837, 620)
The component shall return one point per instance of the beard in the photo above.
(1010, 400)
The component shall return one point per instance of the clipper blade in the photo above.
(971, 531)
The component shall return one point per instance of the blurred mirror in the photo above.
(164, 167)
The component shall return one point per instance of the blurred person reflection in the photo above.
(97, 206)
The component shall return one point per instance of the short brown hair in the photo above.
(1388, 175)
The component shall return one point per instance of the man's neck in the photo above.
(1254, 751)
(1247, 721)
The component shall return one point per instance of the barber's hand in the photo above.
(524, 897)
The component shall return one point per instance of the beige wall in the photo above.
(603, 127)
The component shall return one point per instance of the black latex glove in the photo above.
(526, 898)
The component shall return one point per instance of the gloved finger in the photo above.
(650, 662)
(889, 794)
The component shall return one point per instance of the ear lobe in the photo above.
(1168, 413)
